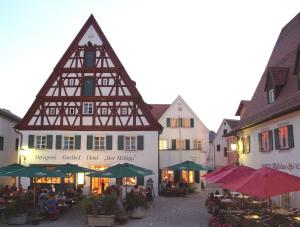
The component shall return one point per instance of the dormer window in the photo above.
(271, 95)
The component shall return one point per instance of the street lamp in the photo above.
(233, 146)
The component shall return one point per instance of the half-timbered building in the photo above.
(89, 112)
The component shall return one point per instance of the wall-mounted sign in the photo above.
(288, 166)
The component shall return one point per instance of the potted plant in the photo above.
(15, 212)
(136, 204)
(100, 210)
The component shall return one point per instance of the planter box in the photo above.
(137, 213)
(19, 219)
(101, 220)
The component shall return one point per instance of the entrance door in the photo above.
(98, 184)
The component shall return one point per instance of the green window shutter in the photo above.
(270, 140)
(168, 122)
(187, 144)
(77, 142)
(260, 142)
(196, 177)
(58, 142)
(140, 181)
(89, 142)
(290, 136)
(173, 144)
(120, 142)
(108, 142)
(276, 135)
(49, 142)
(176, 176)
(31, 141)
(179, 122)
(140, 142)
(1, 143)
(192, 122)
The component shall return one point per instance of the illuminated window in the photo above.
(69, 142)
(246, 144)
(80, 178)
(271, 95)
(197, 144)
(180, 144)
(186, 122)
(69, 178)
(49, 180)
(174, 122)
(129, 181)
(99, 143)
(265, 141)
(283, 137)
(163, 144)
(130, 143)
(88, 108)
(41, 142)
(188, 176)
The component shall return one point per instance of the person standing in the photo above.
(149, 184)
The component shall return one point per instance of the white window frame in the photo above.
(104, 110)
(124, 110)
(283, 137)
(52, 111)
(271, 95)
(197, 145)
(41, 142)
(99, 143)
(88, 108)
(71, 82)
(72, 111)
(69, 142)
(163, 144)
(130, 143)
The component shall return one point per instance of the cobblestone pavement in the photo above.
(168, 212)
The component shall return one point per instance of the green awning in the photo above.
(32, 171)
(11, 167)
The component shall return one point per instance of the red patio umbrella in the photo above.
(265, 183)
(217, 171)
(231, 174)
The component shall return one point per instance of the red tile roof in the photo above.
(158, 110)
(243, 104)
(283, 56)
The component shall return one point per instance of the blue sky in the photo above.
(212, 53)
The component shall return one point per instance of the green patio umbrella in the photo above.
(189, 166)
(35, 172)
(138, 168)
(11, 167)
(72, 168)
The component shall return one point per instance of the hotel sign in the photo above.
(287, 166)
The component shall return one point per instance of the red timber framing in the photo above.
(115, 102)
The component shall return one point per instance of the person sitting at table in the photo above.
(217, 192)
(53, 212)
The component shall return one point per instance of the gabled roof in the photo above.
(283, 57)
(243, 104)
(232, 123)
(9, 115)
(158, 110)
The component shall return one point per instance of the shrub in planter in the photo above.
(16, 211)
(136, 204)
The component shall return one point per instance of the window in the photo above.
(1, 143)
(225, 151)
(88, 108)
(284, 138)
(41, 142)
(69, 178)
(49, 180)
(130, 143)
(104, 111)
(188, 176)
(265, 141)
(52, 111)
(69, 142)
(105, 81)
(224, 132)
(185, 122)
(71, 111)
(88, 87)
(17, 144)
(163, 144)
(174, 122)
(99, 143)
(71, 82)
(124, 111)
(197, 144)
(218, 147)
(180, 144)
(271, 95)
(90, 58)
(246, 144)
(130, 181)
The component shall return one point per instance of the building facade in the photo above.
(270, 122)
(222, 155)
(89, 112)
(211, 151)
(9, 142)
(184, 137)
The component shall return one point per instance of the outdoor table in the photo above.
(218, 195)
(282, 212)
(226, 201)
(252, 217)
(235, 193)
(297, 219)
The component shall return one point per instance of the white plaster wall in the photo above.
(220, 160)
(289, 159)
(147, 158)
(9, 155)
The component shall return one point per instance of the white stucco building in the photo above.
(268, 132)
(9, 142)
(211, 151)
(89, 112)
(220, 152)
(184, 136)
